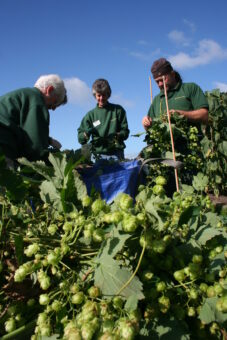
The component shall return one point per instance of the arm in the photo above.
(54, 143)
(199, 111)
(123, 125)
(84, 131)
(36, 131)
(146, 121)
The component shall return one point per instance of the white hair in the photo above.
(52, 80)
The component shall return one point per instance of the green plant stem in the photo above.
(19, 332)
(184, 284)
(133, 275)
(78, 233)
(89, 254)
(64, 265)
(55, 294)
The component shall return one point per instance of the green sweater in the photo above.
(24, 124)
(108, 128)
(185, 96)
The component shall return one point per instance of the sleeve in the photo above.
(123, 132)
(85, 129)
(36, 132)
(198, 98)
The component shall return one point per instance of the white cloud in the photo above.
(143, 42)
(221, 86)
(207, 52)
(118, 99)
(190, 24)
(78, 92)
(145, 56)
(178, 38)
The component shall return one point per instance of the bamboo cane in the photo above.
(171, 133)
(150, 88)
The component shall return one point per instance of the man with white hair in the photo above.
(24, 118)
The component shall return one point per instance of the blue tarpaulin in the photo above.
(111, 179)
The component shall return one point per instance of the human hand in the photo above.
(55, 143)
(146, 121)
(179, 112)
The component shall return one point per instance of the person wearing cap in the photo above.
(24, 118)
(106, 124)
(186, 99)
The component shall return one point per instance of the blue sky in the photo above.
(82, 40)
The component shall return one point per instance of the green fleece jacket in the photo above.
(108, 128)
(185, 96)
(24, 124)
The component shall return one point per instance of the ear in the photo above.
(49, 90)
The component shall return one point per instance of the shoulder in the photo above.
(90, 113)
(190, 86)
(116, 107)
(18, 92)
(28, 95)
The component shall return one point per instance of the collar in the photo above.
(104, 107)
(169, 93)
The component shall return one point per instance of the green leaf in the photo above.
(65, 188)
(212, 219)
(208, 312)
(149, 207)
(142, 196)
(49, 194)
(169, 329)
(110, 278)
(222, 147)
(217, 263)
(213, 166)
(169, 154)
(79, 185)
(112, 245)
(39, 167)
(59, 163)
(200, 182)
(206, 145)
(131, 303)
(218, 179)
(206, 233)
(191, 213)
(187, 188)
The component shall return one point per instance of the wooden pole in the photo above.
(171, 133)
(150, 88)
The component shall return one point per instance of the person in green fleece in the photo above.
(106, 124)
(186, 99)
(24, 118)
